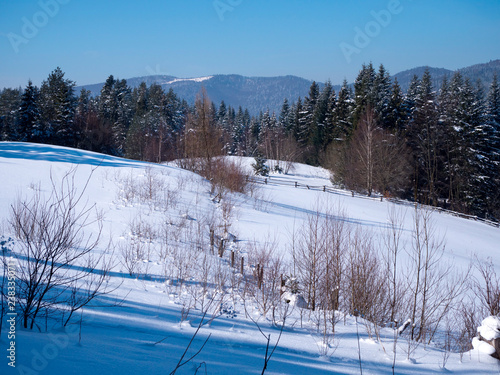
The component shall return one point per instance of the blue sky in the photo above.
(320, 40)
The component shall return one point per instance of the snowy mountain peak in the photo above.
(198, 79)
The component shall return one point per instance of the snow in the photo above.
(490, 328)
(198, 79)
(482, 346)
(145, 331)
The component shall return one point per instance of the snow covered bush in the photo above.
(488, 340)
(260, 168)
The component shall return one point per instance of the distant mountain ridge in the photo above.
(254, 93)
(261, 93)
(484, 72)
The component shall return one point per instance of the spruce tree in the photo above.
(28, 119)
(10, 100)
(424, 139)
(492, 122)
(363, 92)
(308, 126)
(124, 114)
(342, 116)
(410, 98)
(395, 117)
(57, 109)
(381, 97)
(321, 118)
(284, 117)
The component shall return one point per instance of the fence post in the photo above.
(212, 241)
(242, 264)
(232, 258)
(296, 184)
(221, 248)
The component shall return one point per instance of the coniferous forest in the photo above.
(434, 145)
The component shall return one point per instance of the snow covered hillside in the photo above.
(185, 261)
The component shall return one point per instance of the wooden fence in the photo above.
(277, 181)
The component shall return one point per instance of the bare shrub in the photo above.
(309, 257)
(265, 285)
(434, 287)
(228, 175)
(468, 318)
(394, 245)
(132, 253)
(487, 286)
(152, 187)
(55, 254)
(128, 188)
(366, 280)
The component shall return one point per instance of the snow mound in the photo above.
(482, 346)
(490, 328)
(295, 300)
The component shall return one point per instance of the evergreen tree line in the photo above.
(438, 147)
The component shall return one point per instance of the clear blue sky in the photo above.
(317, 40)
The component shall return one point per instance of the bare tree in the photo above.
(434, 287)
(394, 244)
(391, 163)
(374, 159)
(366, 280)
(265, 285)
(309, 257)
(55, 254)
(362, 151)
(203, 140)
(487, 287)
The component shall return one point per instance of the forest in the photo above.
(436, 146)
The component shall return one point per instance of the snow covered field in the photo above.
(144, 324)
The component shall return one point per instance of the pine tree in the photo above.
(481, 186)
(329, 122)
(221, 114)
(321, 117)
(57, 109)
(28, 119)
(424, 139)
(382, 97)
(10, 100)
(308, 126)
(342, 116)
(239, 131)
(492, 122)
(410, 98)
(124, 114)
(363, 92)
(107, 101)
(395, 117)
(140, 96)
(284, 117)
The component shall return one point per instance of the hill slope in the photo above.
(164, 208)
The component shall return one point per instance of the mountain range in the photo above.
(261, 93)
